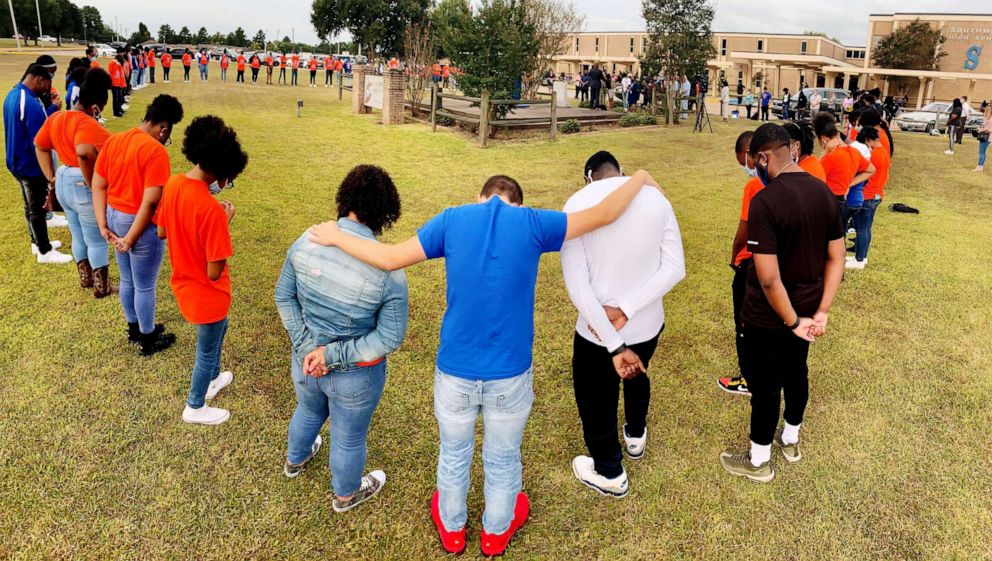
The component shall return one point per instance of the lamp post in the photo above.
(38, 11)
(17, 36)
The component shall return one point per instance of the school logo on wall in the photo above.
(971, 58)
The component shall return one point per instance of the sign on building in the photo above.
(373, 91)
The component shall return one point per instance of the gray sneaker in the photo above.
(292, 470)
(789, 451)
(741, 466)
(371, 485)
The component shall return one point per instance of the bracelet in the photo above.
(619, 350)
(794, 325)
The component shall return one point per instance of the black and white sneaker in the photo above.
(635, 446)
(584, 469)
(292, 470)
(371, 485)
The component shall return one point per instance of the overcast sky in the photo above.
(845, 19)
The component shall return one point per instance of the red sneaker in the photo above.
(493, 544)
(452, 542)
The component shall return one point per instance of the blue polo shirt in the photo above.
(23, 116)
(491, 254)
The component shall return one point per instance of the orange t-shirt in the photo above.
(338, 66)
(841, 165)
(132, 161)
(225, 61)
(282, 61)
(881, 159)
(151, 59)
(116, 74)
(166, 60)
(296, 61)
(256, 62)
(329, 64)
(241, 62)
(436, 70)
(65, 130)
(813, 167)
(187, 59)
(750, 190)
(446, 72)
(884, 139)
(197, 233)
(94, 64)
(204, 58)
(313, 64)
(268, 61)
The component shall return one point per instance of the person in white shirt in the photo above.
(624, 88)
(616, 278)
(814, 103)
(686, 91)
(725, 100)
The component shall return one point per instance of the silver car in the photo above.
(932, 117)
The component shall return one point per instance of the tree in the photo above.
(141, 35)
(377, 25)
(448, 19)
(914, 47)
(494, 47)
(93, 26)
(63, 19)
(184, 37)
(418, 44)
(202, 35)
(218, 38)
(238, 38)
(553, 21)
(259, 40)
(680, 41)
(166, 34)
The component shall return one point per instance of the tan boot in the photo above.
(85, 274)
(101, 283)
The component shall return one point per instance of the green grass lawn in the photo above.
(96, 464)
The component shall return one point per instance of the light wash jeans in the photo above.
(203, 72)
(505, 406)
(139, 270)
(349, 398)
(77, 201)
(982, 149)
(209, 342)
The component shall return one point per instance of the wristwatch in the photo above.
(619, 350)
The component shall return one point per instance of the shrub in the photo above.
(637, 119)
(570, 126)
(443, 121)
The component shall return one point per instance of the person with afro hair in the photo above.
(342, 316)
(196, 228)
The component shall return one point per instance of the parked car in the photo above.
(928, 119)
(177, 53)
(103, 49)
(47, 39)
(831, 100)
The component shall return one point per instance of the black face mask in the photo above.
(46, 98)
(763, 175)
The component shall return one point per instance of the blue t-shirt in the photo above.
(491, 253)
(23, 116)
(766, 97)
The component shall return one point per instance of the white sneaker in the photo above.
(223, 380)
(55, 245)
(949, 152)
(635, 446)
(851, 232)
(57, 221)
(584, 469)
(126, 106)
(102, 121)
(54, 257)
(855, 265)
(205, 415)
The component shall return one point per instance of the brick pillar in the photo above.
(358, 89)
(393, 97)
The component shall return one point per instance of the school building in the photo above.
(778, 61)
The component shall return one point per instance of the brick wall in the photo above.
(393, 97)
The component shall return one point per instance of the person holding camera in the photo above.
(983, 138)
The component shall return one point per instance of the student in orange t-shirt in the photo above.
(151, 66)
(740, 263)
(801, 147)
(197, 229)
(187, 62)
(127, 184)
(312, 65)
(166, 66)
(844, 166)
(295, 66)
(203, 59)
(255, 63)
(77, 137)
(241, 67)
(117, 83)
(874, 190)
(282, 69)
(339, 66)
(328, 71)
(225, 62)
(269, 65)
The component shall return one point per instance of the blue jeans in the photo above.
(139, 270)
(77, 201)
(223, 74)
(203, 71)
(785, 111)
(982, 148)
(348, 398)
(863, 221)
(505, 406)
(209, 341)
(134, 78)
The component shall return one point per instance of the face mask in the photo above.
(762, 174)
(214, 188)
(751, 172)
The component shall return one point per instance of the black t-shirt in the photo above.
(795, 218)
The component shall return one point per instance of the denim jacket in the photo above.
(325, 297)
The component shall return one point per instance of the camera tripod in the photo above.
(702, 115)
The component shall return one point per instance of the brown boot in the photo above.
(85, 273)
(101, 283)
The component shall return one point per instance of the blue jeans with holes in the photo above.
(505, 406)
(209, 342)
(349, 398)
(77, 201)
(139, 270)
(863, 221)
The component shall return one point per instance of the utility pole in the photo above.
(17, 36)
(38, 11)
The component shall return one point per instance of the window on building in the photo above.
(856, 54)
(597, 44)
(631, 44)
(740, 75)
(644, 44)
(761, 45)
(576, 44)
(802, 47)
(723, 47)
